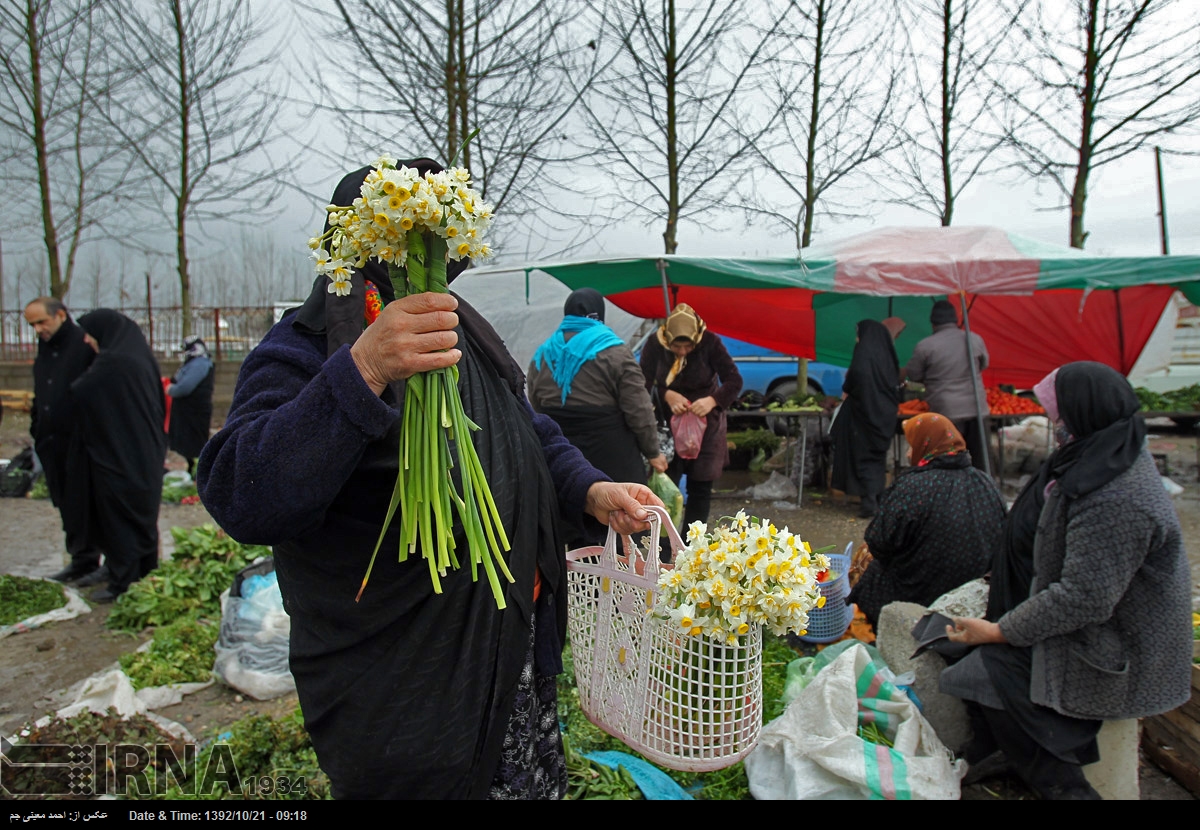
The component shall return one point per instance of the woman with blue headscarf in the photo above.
(587, 380)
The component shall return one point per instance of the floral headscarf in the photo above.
(930, 435)
(682, 323)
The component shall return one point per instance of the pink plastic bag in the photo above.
(688, 429)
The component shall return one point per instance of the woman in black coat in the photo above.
(938, 527)
(866, 422)
(120, 399)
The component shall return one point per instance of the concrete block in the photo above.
(1115, 775)
(945, 713)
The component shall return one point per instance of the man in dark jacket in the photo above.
(950, 364)
(62, 357)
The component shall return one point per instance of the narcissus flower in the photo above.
(743, 572)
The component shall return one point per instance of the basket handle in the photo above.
(647, 575)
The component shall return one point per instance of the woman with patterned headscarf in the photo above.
(688, 369)
(938, 526)
(1095, 625)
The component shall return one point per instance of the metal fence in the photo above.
(229, 332)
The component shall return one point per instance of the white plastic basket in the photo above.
(686, 703)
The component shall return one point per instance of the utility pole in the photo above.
(149, 313)
(3, 328)
(1162, 207)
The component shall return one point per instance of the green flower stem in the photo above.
(433, 416)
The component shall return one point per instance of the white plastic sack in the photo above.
(1171, 487)
(775, 487)
(74, 607)
(252, 650)
(813, 750)
(112, 689)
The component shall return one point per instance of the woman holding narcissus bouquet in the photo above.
(425, 681)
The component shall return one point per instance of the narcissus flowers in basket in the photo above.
(414, 223)
(744, 572)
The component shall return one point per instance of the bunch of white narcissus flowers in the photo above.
(394, 203)
(744, 572)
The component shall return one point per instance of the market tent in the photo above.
(1036, 305)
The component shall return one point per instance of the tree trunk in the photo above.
(181, 200)
(669, 235)
(810, 165)
(947, 176)
(453, 23)
(58, 288)
(464, 97)
(1088, 110)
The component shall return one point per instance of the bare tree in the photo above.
(951, 136)
(840, 84)
(1098, 82)
(59, 163)
(674, 119)
(430, 75)
(199, 111)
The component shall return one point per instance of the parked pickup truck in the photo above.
(774, 373)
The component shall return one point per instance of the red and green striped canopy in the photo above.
(1036, 305)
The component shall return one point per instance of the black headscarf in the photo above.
(1099, 408)
(585, 302)
(121, 399)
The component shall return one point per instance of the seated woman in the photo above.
(1088, 614)
(938, 526)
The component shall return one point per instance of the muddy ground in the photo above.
(41, 669)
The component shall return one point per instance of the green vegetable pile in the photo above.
(22, 598)
(50, 777)
(755, 440)
(1186, 399)
(172, 494)
(269, 756)
(181, 652)
(40, 489)
(806, 403)
(1196, 636)
(205, 563)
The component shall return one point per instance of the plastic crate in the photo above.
(825, 625)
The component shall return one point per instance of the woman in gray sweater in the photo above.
(1103, 631)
